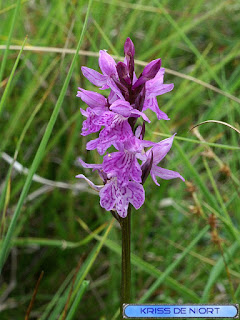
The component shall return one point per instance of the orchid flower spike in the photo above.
(121, 121)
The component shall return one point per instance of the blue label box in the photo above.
(158, 311)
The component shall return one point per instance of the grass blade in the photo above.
(11, 76)
(153, 271)
(81, 275)
(14, 18)
(217, 270)
(40, 151)
(77, 300)
(172, 266)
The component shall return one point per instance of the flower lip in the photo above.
(118, 196)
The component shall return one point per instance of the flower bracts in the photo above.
(120, 118)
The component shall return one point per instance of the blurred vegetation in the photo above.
(186, 237)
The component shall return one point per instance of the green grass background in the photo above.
(60, 228)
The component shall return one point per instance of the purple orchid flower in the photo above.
(117, 127)
(154, 88)
(124, 164)
(94, 100)
(109, 76)
(108, 68)
(157, 153)
(116, 196)
(88, 125)
(117, 118)
(119, 131)
(97, 105)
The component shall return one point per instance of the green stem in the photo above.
(126, 264)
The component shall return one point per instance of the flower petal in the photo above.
(94, 77)
(118, 132)
(151, 103)
(114, 87)
(89, 165)
(136, 112)
(156, 90)
(125, 131)
(88, 125)
(157, 80)
(91, 145)
(147, 143)
(107, 63)
(91, 184)
(123, 165)
(136, 171)
(112, 97)
(121, 107)
(113, 161)
(152, 68)
(93, 99)
(108, 196)
(160, 149)
(122, 201)
(154, 178)
(104, 145)
(105, 119)
(149, 72)
(133, 145)
(84, 112)
(136, 194)
(165, 173)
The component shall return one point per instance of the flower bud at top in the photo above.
(152, 69)
(149, 72)
(129, 48)
(129, 52)
(122, 71)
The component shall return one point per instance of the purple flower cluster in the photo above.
(120, 118)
